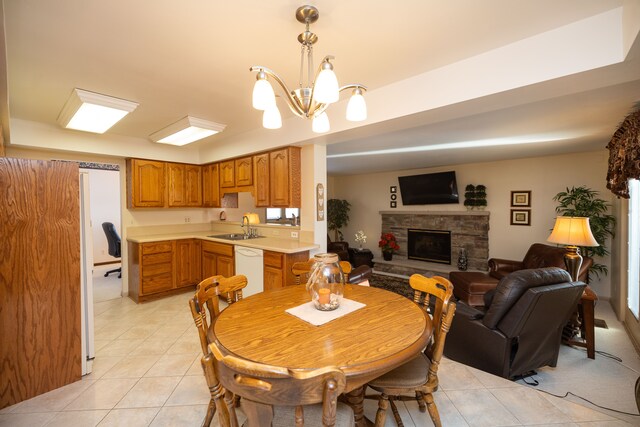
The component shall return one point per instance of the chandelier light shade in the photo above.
(314, 94)
(573, 232)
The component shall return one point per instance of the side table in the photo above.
(586, 315)
(359, 257)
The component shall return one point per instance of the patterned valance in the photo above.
(624, 155)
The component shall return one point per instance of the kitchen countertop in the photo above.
(266, 243)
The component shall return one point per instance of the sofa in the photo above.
(520, 328)
(471, 286)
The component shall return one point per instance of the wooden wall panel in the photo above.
(39, 277)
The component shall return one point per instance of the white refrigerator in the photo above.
(86, 276)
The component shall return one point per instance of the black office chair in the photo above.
(114, 245)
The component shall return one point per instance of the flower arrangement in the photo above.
(388, 243)
(361, 237)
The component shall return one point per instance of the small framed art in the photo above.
(521, 199)
(393, 204)
(393, 189)
(520, 217)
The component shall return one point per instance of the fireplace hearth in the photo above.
(429, 245)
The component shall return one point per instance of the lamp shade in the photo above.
(263, 95)
(357, 107)
(326, 90)
(321, 124)
(271, 118)
(573, 231)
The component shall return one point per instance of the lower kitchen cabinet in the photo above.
(217, 259)
(151, 269)
(277, 268)
(188, 262)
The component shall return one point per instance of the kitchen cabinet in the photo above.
(211, 186)
(284, 177)
(277, 268)
(217, 259)
(188, 262)
(261, 180)
(151, 269)
(145, 183)
(244, 171)
(184, 184)
(227, 174)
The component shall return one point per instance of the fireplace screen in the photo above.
(429, 245)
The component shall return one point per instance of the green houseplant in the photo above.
(469, 196)
(583, 202)
(337, 216)
(481, 197)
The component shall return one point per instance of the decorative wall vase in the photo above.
(462, 259)
(387, 255)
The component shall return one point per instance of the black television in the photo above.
(429, 189)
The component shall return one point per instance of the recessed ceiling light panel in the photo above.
(93, 112)
(186, 131)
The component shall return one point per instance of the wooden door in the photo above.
(227, 174)
(225, 266)
(279, 178)
(176, 184)
(183, 263)
(145, 183)
(261, 180)
(273, 278)
(244, 171)
(208, 264)
(193, 185)
(195, 254)
(40, 280)
(211, 186)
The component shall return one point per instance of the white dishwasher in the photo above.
(249, 262)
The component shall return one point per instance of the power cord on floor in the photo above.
(535, 383)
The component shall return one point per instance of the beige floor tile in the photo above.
(149, 392)
(103, 394)
(192, 390)
(26, 420)
(615, 423)
(111, 332)
(185, 347)
(55, 400)
(575, 412)
(101, 365)
(131, 367)
(118, 348)
(171, 365)
(139, 332)
(171, 332)
(179, 416)
(153, 346)
(528, 406)
(138, 417)
(196, 366)
(481, 408)
(78, 418)
(456, 376)
(490, 380)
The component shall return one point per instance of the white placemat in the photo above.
(310, 314)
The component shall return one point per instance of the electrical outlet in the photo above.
(187, 219)
(294, 234)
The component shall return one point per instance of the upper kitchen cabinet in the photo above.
(184, 185)
(227, 174)
(284, 177)
(244, 171)
(261, 179)
(145, 184)
(211, 186)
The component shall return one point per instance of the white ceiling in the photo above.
(193, 57)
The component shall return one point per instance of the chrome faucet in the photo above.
(246, 232)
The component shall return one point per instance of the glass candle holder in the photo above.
(326, 282)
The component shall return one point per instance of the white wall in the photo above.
(543, 176)
(104, 194)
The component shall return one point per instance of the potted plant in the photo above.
(389, 245)
(481, 197)
(582, 202)
(469, 196)
(337, 216)
(361, 238)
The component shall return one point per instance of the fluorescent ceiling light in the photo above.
(186, 131)
(455, 145)
(93, 112)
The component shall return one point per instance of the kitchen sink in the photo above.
(235, 236)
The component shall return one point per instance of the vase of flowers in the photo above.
(361, 238)
(388, 245)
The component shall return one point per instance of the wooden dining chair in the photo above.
(419, 376)
(302, 269)
(205, 307)
(306, 397)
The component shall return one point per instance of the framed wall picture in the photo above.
(521, 199)
(520, 217)
(393, 204)
(319, 202)
(394, 196)
(393, 189)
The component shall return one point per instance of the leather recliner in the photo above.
(339, 248)
(521, 328)
(470, 286)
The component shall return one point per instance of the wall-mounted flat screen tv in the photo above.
(429, 189)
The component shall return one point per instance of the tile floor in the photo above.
(147, 373)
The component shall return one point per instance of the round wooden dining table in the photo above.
(366, 343)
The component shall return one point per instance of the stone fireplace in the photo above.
(464, 229)
(429, 245)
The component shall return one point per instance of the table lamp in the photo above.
(573, 232)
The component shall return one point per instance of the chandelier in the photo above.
(312, 97)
